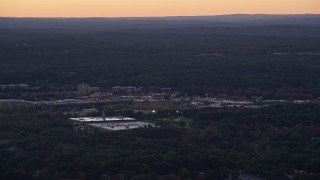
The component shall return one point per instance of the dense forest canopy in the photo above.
(194, 54)
(274, 143)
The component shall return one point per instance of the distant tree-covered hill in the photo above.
(237, 53)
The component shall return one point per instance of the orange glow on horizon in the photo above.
(147, 8)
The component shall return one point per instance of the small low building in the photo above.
(14, 86)
(15, 104)
(124, 89)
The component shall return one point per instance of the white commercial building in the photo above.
(113, 123)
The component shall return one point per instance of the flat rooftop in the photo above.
(100, 119)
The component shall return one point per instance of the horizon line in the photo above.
(127, 17)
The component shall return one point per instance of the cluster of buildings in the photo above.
(254, 103)
(87, 95)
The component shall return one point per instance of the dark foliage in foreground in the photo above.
(43, 145)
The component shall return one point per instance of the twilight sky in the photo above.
(134, 8)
